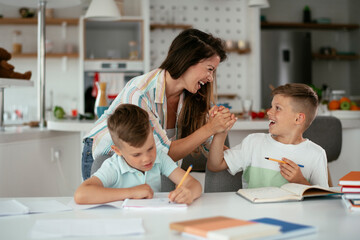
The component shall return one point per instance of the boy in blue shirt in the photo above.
(134, 171)
(294, 107)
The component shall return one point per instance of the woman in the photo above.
(177, 97)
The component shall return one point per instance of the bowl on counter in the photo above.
(345, 114)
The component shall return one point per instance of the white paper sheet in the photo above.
(57, 228)
(13, 207)
(47, 206)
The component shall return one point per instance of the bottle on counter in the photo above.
(101, 103)
(306, 15)
(17, 45)
(133, 55)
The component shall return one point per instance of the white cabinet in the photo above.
(39, 162)
(109, 47)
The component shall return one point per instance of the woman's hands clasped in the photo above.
(220, 119)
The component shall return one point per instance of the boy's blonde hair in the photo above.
(304, 99)
(129, 123)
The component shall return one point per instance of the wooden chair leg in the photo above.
(329, 178)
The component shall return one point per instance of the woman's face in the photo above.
(200, 74)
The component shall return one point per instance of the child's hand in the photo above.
(220, 119)
(142, 191)
(181, 195)
(291, 172)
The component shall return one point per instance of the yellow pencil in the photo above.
(185, 175)
(280, 161)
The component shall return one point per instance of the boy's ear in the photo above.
(116, 150)
(300, 119)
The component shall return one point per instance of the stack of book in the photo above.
(350, 186)
(226, 228)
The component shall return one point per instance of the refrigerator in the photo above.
(285, 58)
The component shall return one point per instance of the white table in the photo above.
(328, 215)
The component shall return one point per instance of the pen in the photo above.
(185, 175)
(276, 160)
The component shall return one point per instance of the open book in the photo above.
(287, 192)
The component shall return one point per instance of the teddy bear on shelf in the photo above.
(7, 70)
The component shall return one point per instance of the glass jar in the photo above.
(337, 94)
(17, 45)
(133, 50)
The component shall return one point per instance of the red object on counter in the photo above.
(74, 112)
(95, 89)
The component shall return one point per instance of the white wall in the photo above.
(229, 20)
(335, 74)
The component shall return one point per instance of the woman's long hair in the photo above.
(189, 48)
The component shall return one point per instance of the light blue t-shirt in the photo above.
(116, 173)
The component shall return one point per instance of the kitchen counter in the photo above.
(258, 124)
(70, 125)
(20, 133)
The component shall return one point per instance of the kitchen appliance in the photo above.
(114, 72)
(285, 58)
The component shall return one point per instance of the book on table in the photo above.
(350, 179)
(287, 192)
(224, 228)
(350, 189)
(288, 229)
(350, 205)
(353, 196)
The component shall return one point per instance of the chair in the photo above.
(326, 131)
(222, 181)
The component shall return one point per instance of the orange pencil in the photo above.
(280, 161)
(185, 175)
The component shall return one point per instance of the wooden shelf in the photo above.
(335, 57)
(170, 26)
(239, 51)
(317, 26)
(33, 21)
(8, 82)
(230, 96)
(48, 55)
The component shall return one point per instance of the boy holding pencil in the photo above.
(134, 171)
(283, 155)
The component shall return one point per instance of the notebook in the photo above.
(287, 192)
(224, 228)
(288, 229)
(350, 179)
(154, 203)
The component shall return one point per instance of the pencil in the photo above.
(280, 161)
(185, 175)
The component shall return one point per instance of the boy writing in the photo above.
(134, 171)
(293, 108)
